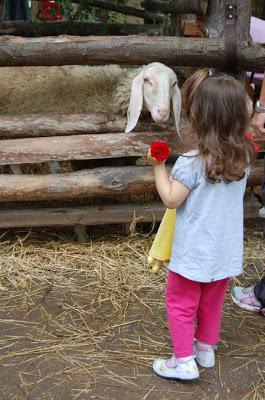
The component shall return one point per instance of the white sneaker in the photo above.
(181, 371)
(205, 358)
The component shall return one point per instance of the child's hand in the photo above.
(153, 161)
(158, 153)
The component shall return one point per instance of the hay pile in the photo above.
(86, 321)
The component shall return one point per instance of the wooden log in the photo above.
(243, 12)
(86, 215)
(83, 147)
(97, 183)
(90, 147)
(214, 23)
(175, 7)
(122, 9)
(55, 28)
(65, 50)
(68, 124)
(214, 20)
(90, 215)
(90, 184)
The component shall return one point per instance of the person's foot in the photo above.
(171, 369)
(245, 298)
(204, 355)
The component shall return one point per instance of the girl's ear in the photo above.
(176, 104)
(136, 103)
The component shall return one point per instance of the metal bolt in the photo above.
(230, 7)
(230, 16)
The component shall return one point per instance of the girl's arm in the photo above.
(171, 192)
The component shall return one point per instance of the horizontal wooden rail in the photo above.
(82, 147)
(55, 28)
(91, 215)
(176, 7)
(84, 215)
(65, 50)
(23, 126)
(91, 184)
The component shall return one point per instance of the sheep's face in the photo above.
(156, 86)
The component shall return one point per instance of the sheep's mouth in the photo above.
(160, 118)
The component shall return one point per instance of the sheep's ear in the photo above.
(136, 103)
(176, 103)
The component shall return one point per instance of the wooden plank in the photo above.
(85, 215)
(83, 147)
(31, 217)
(123, 9)
(68, 124)
(90, 147)
(69, 50)
(97, 183)
(174, 7)
(55, 28)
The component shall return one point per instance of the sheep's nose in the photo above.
(162, 112)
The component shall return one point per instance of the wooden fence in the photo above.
(108, 192)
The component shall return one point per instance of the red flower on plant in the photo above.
(160, 151)
(50, 10)
(255, 145)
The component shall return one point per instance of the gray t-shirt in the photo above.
(208, 240)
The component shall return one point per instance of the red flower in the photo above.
(50, 11)
(160, 151)
(255, 145)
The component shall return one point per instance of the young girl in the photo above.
(206, 187)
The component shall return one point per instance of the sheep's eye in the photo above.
(146, 80)
(174, 84)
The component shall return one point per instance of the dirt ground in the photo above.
(86, 321)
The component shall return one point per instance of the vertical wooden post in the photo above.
(214, 21)
(2, 10)
(243, 11)
(34, 10)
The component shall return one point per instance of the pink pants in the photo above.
(187, 300)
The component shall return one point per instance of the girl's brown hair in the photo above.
(217, 109)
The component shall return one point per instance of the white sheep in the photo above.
(82, 89)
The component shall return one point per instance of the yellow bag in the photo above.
(160, 251)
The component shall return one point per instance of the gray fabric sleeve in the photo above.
(185, 171)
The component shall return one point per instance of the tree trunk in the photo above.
(65, 50)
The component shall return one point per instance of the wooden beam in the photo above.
(65, 50)
(55, 28)
(175, 7)
(83, 147)
(104, 182)
(90, 184)
(103, 214)
(68, 124)
(214, 21)
(122, 9)
(243, 12)
(86, 215)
